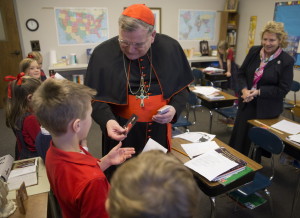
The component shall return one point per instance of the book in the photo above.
(216, 164)
(232, 178)
(6, 163)
(251, 201)
(23, 171)
(241, 164)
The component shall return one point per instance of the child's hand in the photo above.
(116, 156)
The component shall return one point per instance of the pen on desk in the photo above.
(269, 127)
(180, 152)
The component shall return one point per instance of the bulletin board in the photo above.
(289, 14)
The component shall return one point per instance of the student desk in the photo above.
(213, 189)
(212, 104)
(290, 148)
(215, 78)
(37, 202)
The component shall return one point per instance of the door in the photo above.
(10, 48)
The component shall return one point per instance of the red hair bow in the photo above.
(30, 56)
(12, 78)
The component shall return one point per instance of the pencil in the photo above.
(180, 152)
(269, 127)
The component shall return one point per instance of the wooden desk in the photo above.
(37, 202)
(202, 60)
(213, 104)
(36, 205)
(290, 148)
(213, 189)
(216, 79)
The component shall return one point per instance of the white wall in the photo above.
(264, 10)
(43, 12)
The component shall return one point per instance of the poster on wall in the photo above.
(251, 33)
(196, 25)
(289, 14)
(81, 25)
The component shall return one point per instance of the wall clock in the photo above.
(32, 24)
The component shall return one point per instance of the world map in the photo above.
(81, 25)
(196, 25)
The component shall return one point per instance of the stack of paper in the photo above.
(287, 126)
(196, 136)
(294, 138)
(216, 164)
(212, 69)
(209, 92)
(210, 164)
(23, 171)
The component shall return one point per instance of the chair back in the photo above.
(295, 86)
(266, 140)
(198, 75)
(193, 99)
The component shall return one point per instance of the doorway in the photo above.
(10, 48)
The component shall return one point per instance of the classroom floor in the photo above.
(282, 189)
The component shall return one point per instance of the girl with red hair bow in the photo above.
(30, 67)
(19, 115)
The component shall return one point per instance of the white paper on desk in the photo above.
(153, 145)
(287, 126)
(294, 138)
(196, 136)
(205, 90)
(213, 69)
(195, 149)
(211, 164)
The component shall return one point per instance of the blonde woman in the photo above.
(265, 77)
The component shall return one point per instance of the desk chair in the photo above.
(262, 139)
(228, 112)
(295, 88)
(295, 112)
(182, 122)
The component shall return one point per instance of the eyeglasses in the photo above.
(134, 44)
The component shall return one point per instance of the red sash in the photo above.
(151, 105)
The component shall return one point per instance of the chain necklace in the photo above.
(142, 89)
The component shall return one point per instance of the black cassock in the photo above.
(170, 76)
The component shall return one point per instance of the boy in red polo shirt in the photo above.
(76, 177)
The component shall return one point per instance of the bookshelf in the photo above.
(75, 72)
(229, 27)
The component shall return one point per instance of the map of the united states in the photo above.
(80, 26)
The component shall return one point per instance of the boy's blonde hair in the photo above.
(25, 64)
(278, 29)
(153, 184)
(58, 102)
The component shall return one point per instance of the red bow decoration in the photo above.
(12, 78)
(30, 56)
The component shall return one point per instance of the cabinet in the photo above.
(75, 72)
(229, 27)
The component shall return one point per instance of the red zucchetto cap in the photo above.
(141, 12)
